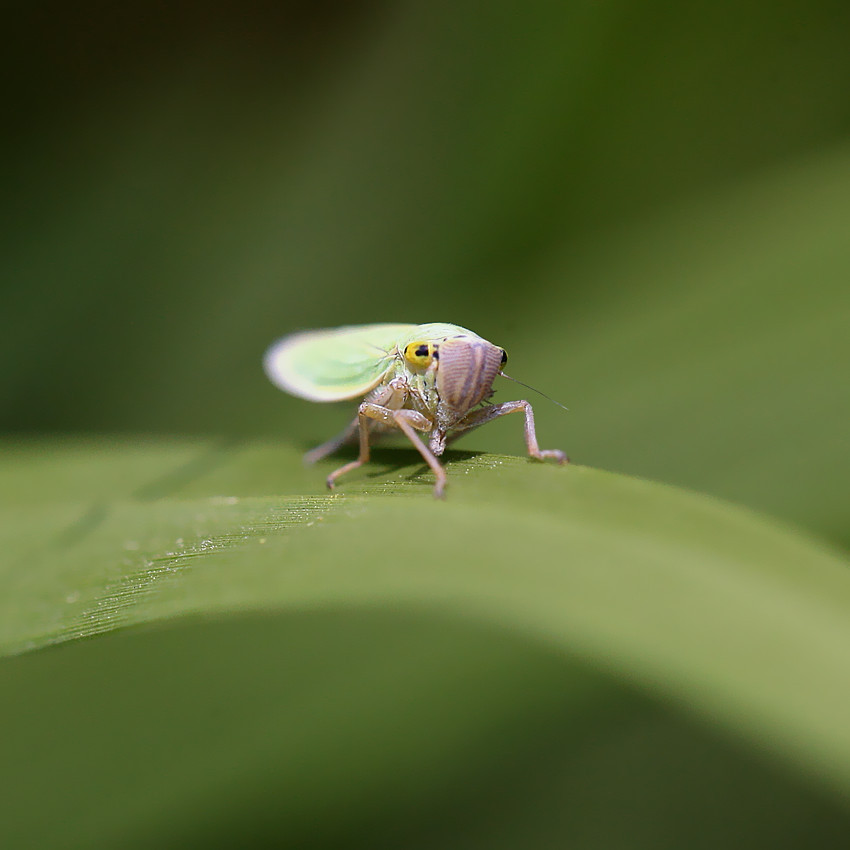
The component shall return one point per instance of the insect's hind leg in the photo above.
(343, 439)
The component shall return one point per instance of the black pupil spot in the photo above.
(422, 351)
(504, 357)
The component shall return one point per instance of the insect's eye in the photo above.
(420, 354)
(504, 357)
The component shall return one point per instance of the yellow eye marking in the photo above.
(420, 354)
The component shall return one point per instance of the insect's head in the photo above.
(422, 354)
(465, 367)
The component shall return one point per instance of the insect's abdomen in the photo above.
(467, 368)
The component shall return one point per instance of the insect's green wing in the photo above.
(432, 332)
(334, 364)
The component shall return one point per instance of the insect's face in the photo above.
(466, 368)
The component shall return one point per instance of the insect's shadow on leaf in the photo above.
(165, 485)
(82, 527)
(393, 461)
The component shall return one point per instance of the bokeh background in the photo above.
(647, 204)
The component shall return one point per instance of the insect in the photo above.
(433, 379)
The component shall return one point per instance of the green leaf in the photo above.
(502, 668)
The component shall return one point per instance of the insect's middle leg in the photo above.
(391, 395)
(376, 407)
(487, 414)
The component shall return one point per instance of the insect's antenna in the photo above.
(529, 387)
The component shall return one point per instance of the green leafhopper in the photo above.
(434, 378)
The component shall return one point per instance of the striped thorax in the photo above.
(466, 369)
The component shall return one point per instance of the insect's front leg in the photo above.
(407, 421)
(487, 414)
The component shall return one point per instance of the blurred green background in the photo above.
(647, 204)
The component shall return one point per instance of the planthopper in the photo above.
(434, 379)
